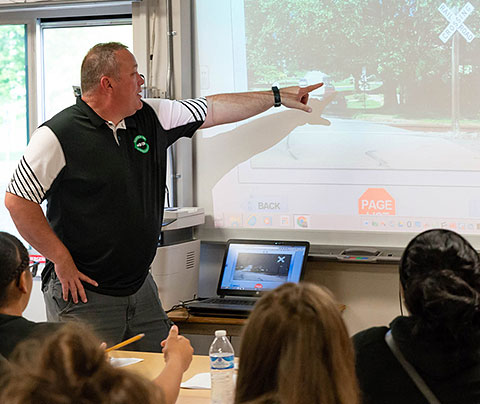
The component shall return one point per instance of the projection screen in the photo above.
(392, 146)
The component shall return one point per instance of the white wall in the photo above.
(370, 292)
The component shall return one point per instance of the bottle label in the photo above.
(221, 362)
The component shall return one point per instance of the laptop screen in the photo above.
(253, 266)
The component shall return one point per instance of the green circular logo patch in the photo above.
(140, 143)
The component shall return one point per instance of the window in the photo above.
(13, 104)
(65, 43)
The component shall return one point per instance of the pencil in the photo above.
(126, 342)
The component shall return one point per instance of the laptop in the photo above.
(251, 268)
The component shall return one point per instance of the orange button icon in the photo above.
(376, 201)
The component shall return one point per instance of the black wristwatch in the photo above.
(276, 96)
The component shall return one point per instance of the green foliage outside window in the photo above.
(12, 63)
(13, 127)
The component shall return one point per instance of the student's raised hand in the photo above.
(177, 348)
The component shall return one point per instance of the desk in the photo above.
(190, 324)
(152, 365)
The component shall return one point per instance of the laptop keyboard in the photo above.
(232, 301)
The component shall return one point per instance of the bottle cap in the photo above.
(220, 333)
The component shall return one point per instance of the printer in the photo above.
(176, 264)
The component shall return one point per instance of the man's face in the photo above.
(128, 84)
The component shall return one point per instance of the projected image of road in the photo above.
(262, 267)
(369, 145)
(400, 102)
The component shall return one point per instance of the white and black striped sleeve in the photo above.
(173, 114)
(42, 162)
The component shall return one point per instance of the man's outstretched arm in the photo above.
(234, 107)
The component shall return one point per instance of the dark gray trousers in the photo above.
(114, 318)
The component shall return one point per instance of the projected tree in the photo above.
(396, 41)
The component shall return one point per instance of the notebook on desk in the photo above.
(250, 268)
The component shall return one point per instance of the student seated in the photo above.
(15, 287)
(440, 338)
(295, 350)
(70, 366)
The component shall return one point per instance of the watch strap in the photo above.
(276, 96)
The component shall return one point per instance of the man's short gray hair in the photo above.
(99, 61)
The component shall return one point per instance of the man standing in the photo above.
(101, 165)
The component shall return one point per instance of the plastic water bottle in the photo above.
(221, 369)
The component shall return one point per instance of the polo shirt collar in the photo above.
(112, 126)
(130, 122)
(96, 120)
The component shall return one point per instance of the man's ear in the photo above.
(106, 83)
(24, 281)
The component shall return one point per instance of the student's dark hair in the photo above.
(296, 350)
(69, 366)
(14, 260)
(440, 276)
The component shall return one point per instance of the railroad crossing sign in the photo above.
(456, 22)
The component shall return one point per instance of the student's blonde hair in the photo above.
(70, 367)
(296, 350)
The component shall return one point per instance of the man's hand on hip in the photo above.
(71, 279)
(32, 224)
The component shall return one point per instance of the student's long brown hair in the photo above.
(70, 367)
(296, 350)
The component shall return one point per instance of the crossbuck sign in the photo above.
(456, 22)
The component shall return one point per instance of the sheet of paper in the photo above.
(120, 362)
(199, 381)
